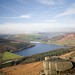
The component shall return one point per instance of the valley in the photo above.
(23, 42)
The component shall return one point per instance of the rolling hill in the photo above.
(13, 46)
(4, 35)
(28, 37)
(67, 39)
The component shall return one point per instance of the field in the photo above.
(32, 38)
(65, 42)
(8, 55)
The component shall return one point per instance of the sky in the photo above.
(24, 16)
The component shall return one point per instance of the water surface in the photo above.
(39, 48)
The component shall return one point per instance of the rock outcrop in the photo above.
(58, 65)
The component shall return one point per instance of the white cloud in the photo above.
(32, 27)
(50, 20)
(51, 2)
(22, 16)
(25, 16)
(68, 11)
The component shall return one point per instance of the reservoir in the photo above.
(39, 48)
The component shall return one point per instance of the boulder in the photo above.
(55, 57)
(47, 58)
(42, 72)
(46, 64)
(50, 72)
(55, 64)
(72, 59)
(52, 66)
(65, 57)
(63, 65)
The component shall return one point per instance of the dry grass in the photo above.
(27, 69)
(68, 54)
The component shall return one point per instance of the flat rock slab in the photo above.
(57, 64)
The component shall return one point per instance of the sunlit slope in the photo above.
(8, 55)
(66, 39)
(29, 37)
(26, 69)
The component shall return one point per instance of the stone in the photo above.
(42, 72)
(72, 59)
(55, 57)
(47, 58)
(46, 64)
(59, 64)
(62, 66)
(50, 72)
(52, 66)
(65, 57)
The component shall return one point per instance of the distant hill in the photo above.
(13, 46)
(28, 37)
(4, 35)
(18, 39)
(51, 34)
(67, 39)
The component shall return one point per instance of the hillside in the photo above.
(13, 46)
(18, 39)
(26, 69)
(4, 35)
(29, 37)
(51, 34)
(69, 54)
(67, 39)
(8, 55)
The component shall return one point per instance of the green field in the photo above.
(8, 56)
(65, 42)
(32, 38)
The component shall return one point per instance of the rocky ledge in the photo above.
(58, 65)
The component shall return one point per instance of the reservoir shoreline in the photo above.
(38, 48)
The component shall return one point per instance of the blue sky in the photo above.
(20, 16)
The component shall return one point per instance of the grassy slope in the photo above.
(26, 69)
(65, 42)
(8, 55)
(66, 39)
(34, 37)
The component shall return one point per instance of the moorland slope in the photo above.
(26, 69)
(67, 39)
